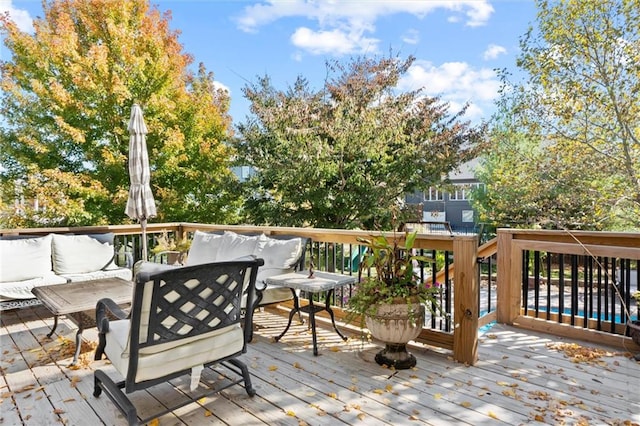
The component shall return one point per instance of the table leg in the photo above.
(312, 320)
(55, 325)
(296, 308)
(333, 319)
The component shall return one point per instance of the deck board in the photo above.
(518, 379)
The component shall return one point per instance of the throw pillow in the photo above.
(25, 259)
(78, 254)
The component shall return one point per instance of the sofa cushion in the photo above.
(204, 248)
(237, 245)
(12, 290)
(25, 259)
(278, 253)
(77, 254)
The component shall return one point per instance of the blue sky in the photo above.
(457, 44)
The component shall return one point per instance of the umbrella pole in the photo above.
(143, 224)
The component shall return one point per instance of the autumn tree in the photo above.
(342, 156)
(579, 100)
(67, 92)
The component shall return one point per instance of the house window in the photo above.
(433, 195)
(463, 191)
(467, 215)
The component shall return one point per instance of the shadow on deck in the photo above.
(521, 377)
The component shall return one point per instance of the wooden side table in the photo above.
(78, 300)
(320, 282)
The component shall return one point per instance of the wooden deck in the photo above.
(521, 378)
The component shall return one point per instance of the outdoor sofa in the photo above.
(31, 261)
(281, 254)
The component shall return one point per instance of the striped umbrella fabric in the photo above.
(140, 205)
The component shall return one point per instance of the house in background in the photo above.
(451, 206)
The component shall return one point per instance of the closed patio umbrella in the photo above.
(140, 205)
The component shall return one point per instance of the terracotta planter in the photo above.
(396, 325)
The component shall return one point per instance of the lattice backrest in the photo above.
(185, 303)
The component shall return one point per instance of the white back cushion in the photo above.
(280, 254)
(25, 259)
(237, 245)
(77, 254)
(204, 248)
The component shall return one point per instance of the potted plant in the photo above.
(391, 299)
(175, 248)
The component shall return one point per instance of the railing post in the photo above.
(466, 311)
(508, 279)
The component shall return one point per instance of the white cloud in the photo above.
(335, 41)
(493, 51)
(456, 83)
(349, 21)
(411, 36)
(21, 17)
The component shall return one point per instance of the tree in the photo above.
(532, 183)
(67, 92)
(341, 156)
(580, 100)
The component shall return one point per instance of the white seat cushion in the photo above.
(22, 289)
(171, 357)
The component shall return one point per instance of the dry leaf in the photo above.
(58, 411)
(465, 404)
(437, 396)
(154, 422)
(291, 413)
(273, 368)
(378, 391)
(332, 395)
(361, 416)
(492, 415)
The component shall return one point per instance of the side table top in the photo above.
(80, 296)
(321, 281)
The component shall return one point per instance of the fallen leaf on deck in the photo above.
(465, 404)
(208, 413)
(492, 415)
(58, 411)
(437, 396)
(273, 368)
(291, 413)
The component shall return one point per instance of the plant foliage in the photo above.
(394, 280)
(67, 91)
(341, 156)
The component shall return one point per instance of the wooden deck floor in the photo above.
(521, 378)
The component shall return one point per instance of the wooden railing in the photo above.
(574, 284)
(460, 335)
(519, 278)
